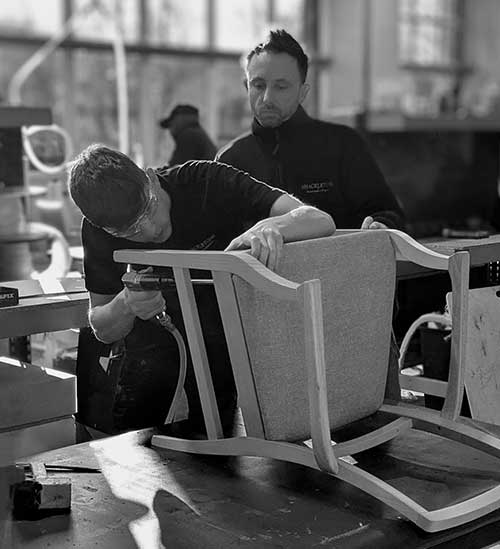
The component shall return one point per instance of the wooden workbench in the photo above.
(43, 307)
(48, 306)
(144, 497)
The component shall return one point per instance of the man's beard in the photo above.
(270, 118)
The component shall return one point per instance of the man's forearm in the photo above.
(113, 320)
(303, 223)
(288, 222)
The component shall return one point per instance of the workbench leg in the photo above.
(20, 348)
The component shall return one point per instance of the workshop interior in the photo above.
(332, 443)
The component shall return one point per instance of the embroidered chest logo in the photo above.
(205, 244)
(317, 187)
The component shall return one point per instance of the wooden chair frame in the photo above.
(323, 456)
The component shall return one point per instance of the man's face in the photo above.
(154, 223)
(275, 88)
(156, 226)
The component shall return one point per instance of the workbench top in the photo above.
(481, 252)
(144, 498)
(45, 306)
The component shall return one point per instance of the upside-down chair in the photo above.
(309, 347)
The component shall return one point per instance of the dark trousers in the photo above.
(137, 388)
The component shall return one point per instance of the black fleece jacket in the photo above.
(323, 164)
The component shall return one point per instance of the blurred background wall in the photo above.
(420, 78)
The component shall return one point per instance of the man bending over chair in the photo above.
(200, 205)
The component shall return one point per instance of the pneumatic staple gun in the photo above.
(136, 282)
(141, 281)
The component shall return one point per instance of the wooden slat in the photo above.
(408, 249)
(240, 446)
(198, 353)
(370, 440)
(459, 274)
(430, 521)
(424, 385)
(431, 421)
(235, 337)
(310, 294)
(384, 492)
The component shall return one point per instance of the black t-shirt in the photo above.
(211, 203)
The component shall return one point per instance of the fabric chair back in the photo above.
(357, 274)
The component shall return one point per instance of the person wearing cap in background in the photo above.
(191, 140)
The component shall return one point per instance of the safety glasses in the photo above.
(147, 215)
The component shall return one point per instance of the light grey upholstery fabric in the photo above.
(357, 273)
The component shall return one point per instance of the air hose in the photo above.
(429, 317)
(166, 322)
(147, 281)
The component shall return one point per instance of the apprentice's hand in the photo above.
(368, 223)
(143, 304)
(264, 240)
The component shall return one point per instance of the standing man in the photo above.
(323, 164)
(198, 205)
(191, 140)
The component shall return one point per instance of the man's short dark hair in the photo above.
(280, 41)
(107, 186)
